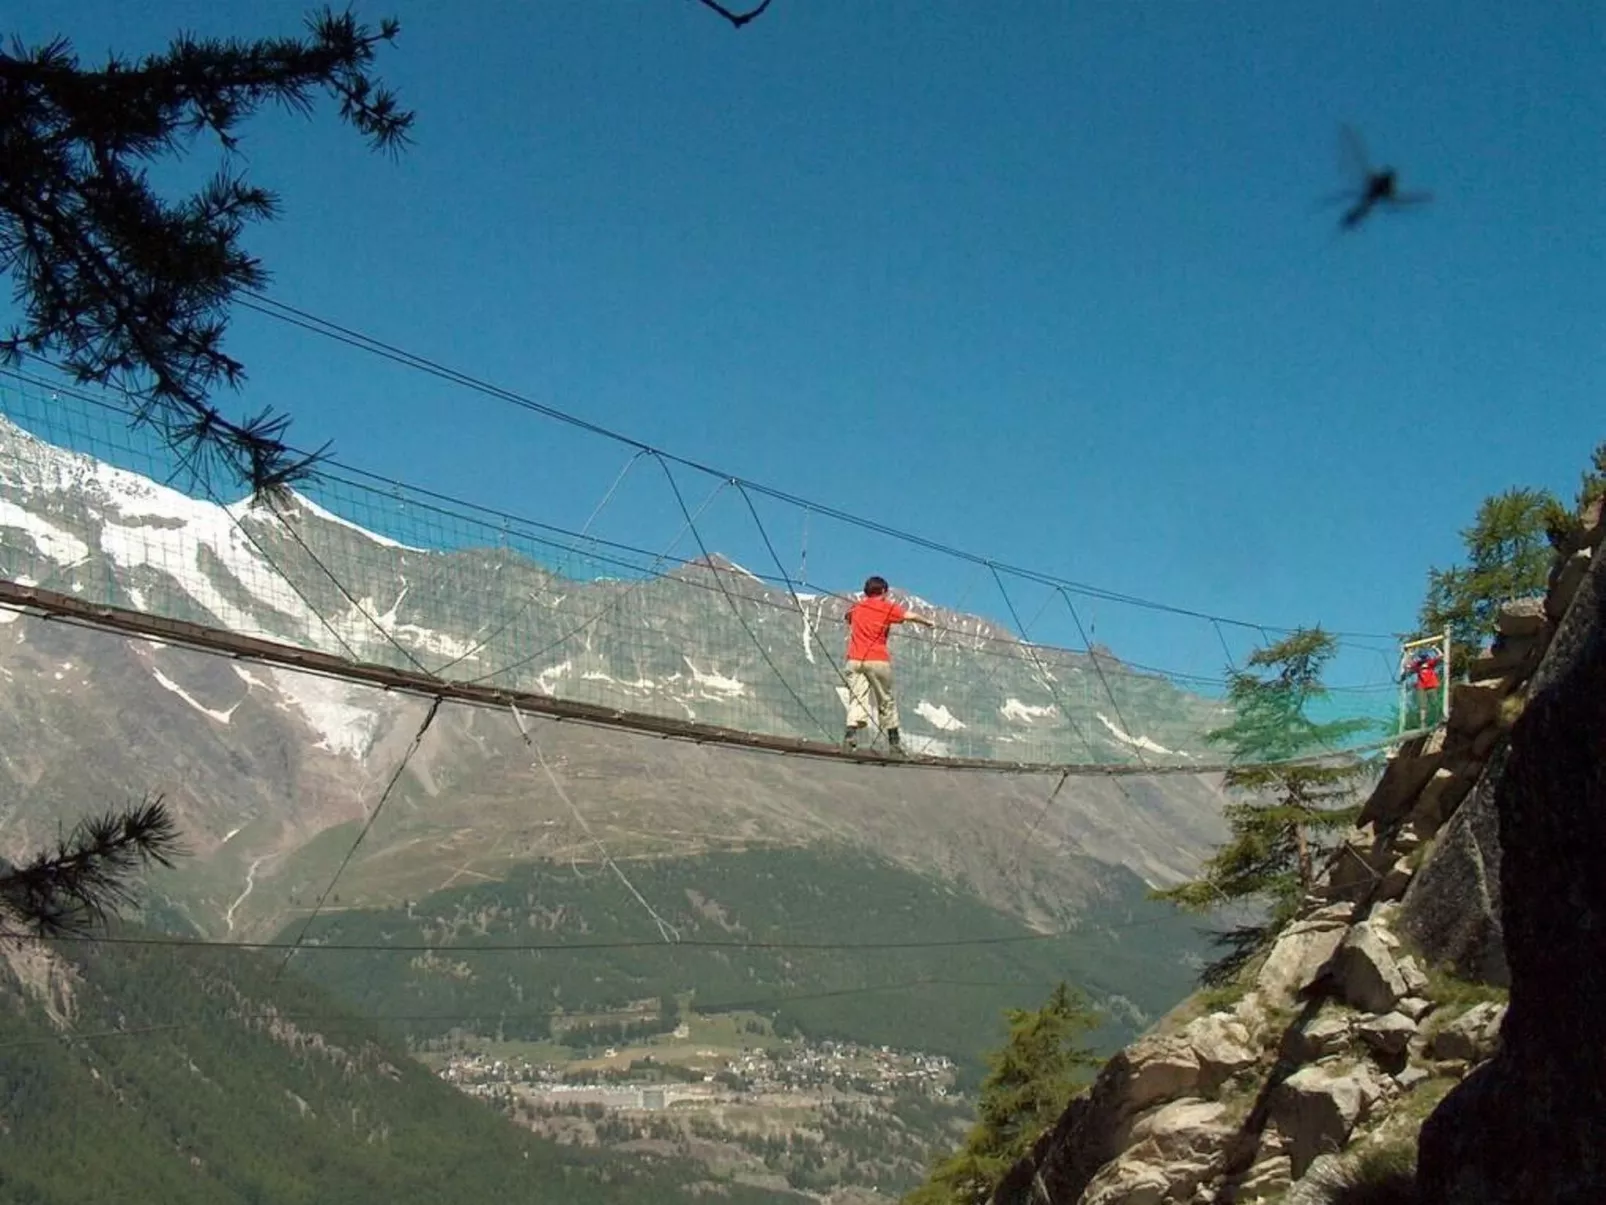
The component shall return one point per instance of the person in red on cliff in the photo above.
(869, 666)
(1424, 667)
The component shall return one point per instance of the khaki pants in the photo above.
(867, 679)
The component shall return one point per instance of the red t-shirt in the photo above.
(869, 622)
(1427, 673)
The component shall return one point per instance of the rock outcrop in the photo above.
(1530, 1124)
(1473, 869)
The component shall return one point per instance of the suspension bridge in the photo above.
(372, 580)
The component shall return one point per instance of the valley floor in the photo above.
(856, 1122)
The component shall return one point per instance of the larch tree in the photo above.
(1042, 1065)
(1508, 555)
(75, 886)
(1286, 810)
(121, 285)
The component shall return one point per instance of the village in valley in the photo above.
(727, 1092)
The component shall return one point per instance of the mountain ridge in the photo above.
(703, 641)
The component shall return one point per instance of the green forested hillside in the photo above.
(761, 930)
(209, 1094)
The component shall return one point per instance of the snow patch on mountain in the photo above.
(1137, 742)
(715, 684)
(808, 635)
(328, 516)
(366, 623)
(166, 683)
(929, 746)
(552, 674)
(939, 718)
(1024, 713)
(176, 552)
(343, 725)
(60, 546)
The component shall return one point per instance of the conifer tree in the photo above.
(1041, 1066)
(123, 286)
(120, 285)
(66, 890)
(1508, 555)
(1286, 811)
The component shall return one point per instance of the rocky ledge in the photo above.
(1381, 1013)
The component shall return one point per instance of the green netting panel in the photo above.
(367, 569)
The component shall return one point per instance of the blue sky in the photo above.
(1045, 281)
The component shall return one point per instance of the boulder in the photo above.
(1521, 617)
(1388, 1034)
(1301, 950)
(1410, 1076)
(1510, 657)
(1322, 1182)
(1416, 980)
(1451, 910)
(1317, 1110)
(1484, 743)
(1125, 1182)
(1530, 1123)
(1474, 706)
(1403, 781)
(1267, 1180)
(1185, 1140)
(1394, 881)
(1223, 1047)
(1162, 1069)
(1569, 575)
(1365, 973)
(1414, 1007)
(1440, 797)
(1180, 1129)
(1471, 1037)
(1326, 1033)
(1593, 521)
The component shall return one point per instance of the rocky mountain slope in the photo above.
(1374, 1036)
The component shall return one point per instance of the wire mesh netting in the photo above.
(95, 505)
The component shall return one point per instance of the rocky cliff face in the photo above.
(1472, 874)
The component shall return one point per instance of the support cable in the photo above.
(1042, 814)
(384, 796)
(702, 547)
(1048, 678)
(797, 601)
(390, 638)
(291, 315)
(667, 931)
(651, 575)
(1115, 703)
(530, 597)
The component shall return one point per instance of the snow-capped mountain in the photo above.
(709, 641)
(271, 770)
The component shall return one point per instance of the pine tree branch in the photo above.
(75, 886)
(131, 290)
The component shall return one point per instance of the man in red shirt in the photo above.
(869, 665)
(1424, 667)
